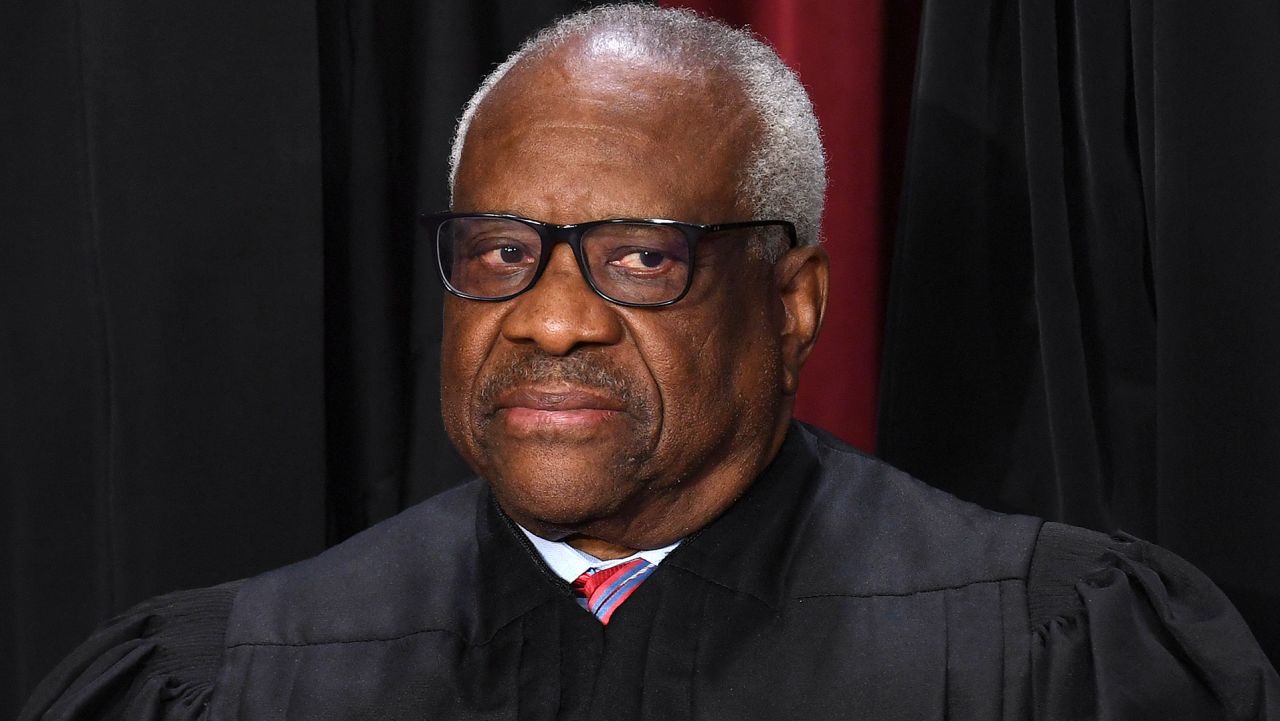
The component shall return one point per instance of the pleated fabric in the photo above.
(1083, 321)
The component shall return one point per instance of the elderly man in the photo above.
(634, 285)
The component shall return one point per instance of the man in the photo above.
(652, 537)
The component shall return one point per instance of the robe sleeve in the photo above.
(157, 661)
(1123, 629)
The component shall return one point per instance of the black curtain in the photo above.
(1084, 319)
(217, 354)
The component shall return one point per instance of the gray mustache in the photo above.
(584, 369)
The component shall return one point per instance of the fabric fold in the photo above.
(1160, 641)
(164, 653)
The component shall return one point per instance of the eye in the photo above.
(499, 253)
(509, 254)
(641, 259)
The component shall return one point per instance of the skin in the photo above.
(617, 428)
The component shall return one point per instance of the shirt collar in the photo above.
(568, 562)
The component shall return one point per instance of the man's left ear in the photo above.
(800, 277)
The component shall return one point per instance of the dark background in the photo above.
(219, 343)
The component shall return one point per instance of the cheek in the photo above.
(468, 336)
(714, 369)
(740, 357)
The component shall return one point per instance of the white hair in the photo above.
(785, 175)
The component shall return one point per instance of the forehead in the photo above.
(574, 136)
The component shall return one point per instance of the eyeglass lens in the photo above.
(642, 263)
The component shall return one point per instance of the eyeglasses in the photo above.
(631, 262)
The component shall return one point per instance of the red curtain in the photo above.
(840, 49)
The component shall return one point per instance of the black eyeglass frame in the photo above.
(551, 234)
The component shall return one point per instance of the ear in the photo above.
(800, 278)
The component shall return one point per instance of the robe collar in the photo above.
(747, 549)
(750, 547)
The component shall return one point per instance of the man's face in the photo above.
(623, 424)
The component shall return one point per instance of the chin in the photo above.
(560, 494)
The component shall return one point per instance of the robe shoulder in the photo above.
(415, 572)
(160, 660)
(1117, 627)
(157, 661)
(884, 533)
(1122, 628)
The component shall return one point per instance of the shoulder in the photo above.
(161, 659)
(1119, 623)
(1075, 570)
(1066, 556)
(402, 572)
(902, 535)
(157, 660)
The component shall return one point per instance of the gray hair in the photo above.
(785, 176)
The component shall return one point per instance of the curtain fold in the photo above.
(1083, 321)
(161, 387)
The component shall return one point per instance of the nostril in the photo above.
(560, 314)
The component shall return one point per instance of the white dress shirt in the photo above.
(569, 563)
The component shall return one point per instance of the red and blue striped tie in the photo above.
(601, 591)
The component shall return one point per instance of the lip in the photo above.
(557, 399)
(556, 411)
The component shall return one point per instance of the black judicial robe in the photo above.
(835, 588)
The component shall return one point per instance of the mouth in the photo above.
(556, 409)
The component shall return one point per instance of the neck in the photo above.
(597, 548)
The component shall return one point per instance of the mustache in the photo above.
(584, 368)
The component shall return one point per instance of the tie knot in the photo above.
(601, 591)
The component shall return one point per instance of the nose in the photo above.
(561, 312)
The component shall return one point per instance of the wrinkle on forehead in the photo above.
(547, 130)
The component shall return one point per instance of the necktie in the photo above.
(601, 591)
